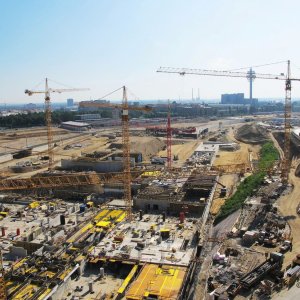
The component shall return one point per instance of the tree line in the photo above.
(32, 119)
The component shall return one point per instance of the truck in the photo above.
(285, 246)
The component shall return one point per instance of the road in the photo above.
(292, 294)
(287, 206)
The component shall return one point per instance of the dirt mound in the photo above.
(252, 134)
(148, 146)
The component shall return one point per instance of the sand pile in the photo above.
(148, 146)
(252, 134)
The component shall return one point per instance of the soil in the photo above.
(229, 180)
(287, 206)
(252, 134)
(148, 146)
(240, 156)
(295, 145)
(246, 153)
(183, 151)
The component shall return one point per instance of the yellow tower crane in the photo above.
(47, 93)
(251, 75)
(124, 107)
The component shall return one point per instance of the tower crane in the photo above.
(47, 91)
(169, 139)
(124, 107)
(251, 75)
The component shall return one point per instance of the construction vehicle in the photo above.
(286, 246)
(124, 107)
(251, 75)
(47, 91)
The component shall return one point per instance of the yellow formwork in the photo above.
(65, 273)
(113, 215)
(42, 296)
(86, 228)
(32, 270)
(101, 214)
(19, 263)
(34, 204)
(127, 279)
(11, 286)
(104, 220)
(81, 231)
(161, 282)
(121, 218)
(48, 273)
(27, 292)
(116, 215)
(151, 174)
(103, 224)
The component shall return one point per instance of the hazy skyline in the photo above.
(103, 45)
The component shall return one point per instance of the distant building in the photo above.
(75, 126)
(82, 106)
(70, 102)
(88, 117)
(238, 98)
(30, 106)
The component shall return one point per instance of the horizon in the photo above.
(63, 103)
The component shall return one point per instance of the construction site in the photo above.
(195, 209)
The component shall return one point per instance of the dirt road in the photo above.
(245, 154)
(287, 206)
(241, 156)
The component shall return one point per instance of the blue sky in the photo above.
(103, 45)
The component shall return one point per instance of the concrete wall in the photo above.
(29, 247)
(151, 204)
(19, 252)
(53, 222)
(100, 166)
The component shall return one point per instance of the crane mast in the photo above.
(169, 139)
(125, 108)
(126, 154)
(287, 127)
(48, 124)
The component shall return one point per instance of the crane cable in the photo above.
(257, 66)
